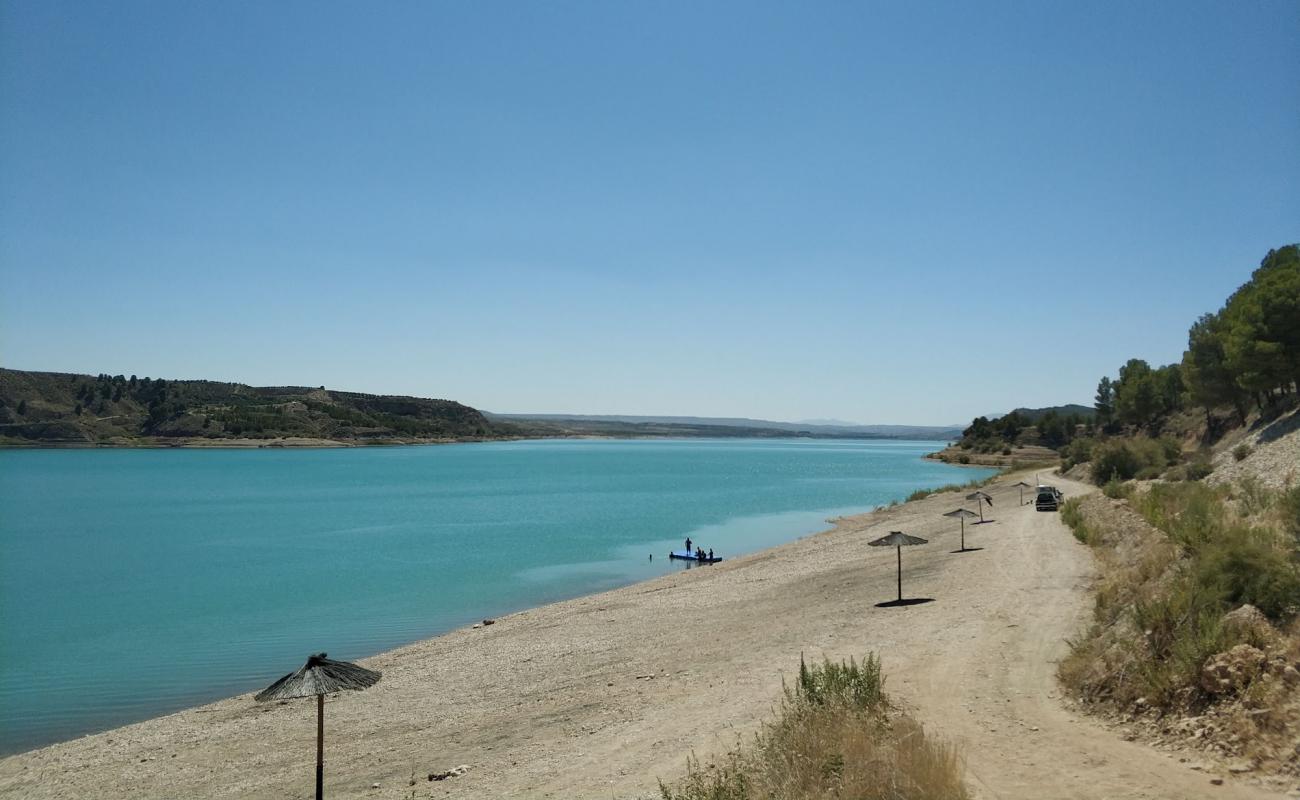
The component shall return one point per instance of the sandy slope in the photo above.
(599, 697)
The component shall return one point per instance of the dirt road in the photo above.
(601, 696)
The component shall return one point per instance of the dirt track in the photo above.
(601, 696)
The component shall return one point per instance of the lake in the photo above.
(139, 582)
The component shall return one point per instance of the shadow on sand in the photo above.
(910, 601)
(984, 522)
(967, 550)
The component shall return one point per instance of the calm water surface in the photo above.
(138, 582)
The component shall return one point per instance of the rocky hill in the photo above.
(51, 408)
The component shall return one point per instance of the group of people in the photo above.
(699, 551)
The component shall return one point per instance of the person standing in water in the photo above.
(688, 544)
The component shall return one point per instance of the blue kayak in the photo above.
(687, 555)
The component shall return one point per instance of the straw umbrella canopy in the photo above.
(961, 514)
(318, 677)
(980, 498)
(899, 540)
(1022, 486)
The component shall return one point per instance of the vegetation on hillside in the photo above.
(48, 407)
(1197, 611)
(835, 735)
(1243, 357)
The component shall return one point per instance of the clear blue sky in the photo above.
(852, 210)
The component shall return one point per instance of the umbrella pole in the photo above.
(963, 533)
(320, 747)
(900, 573)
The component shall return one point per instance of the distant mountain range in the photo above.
(731, 425)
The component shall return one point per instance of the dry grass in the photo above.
(1175, 558)
(835, 736)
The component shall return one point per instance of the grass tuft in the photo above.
(835, 736)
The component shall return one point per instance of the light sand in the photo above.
(601, 696)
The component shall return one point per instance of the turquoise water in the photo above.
(138, 582)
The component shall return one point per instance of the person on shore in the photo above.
(688, 544)
(710, 553)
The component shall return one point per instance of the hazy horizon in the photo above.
(898, 213)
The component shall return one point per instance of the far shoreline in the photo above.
(296, 443)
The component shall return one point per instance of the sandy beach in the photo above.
(603, 696)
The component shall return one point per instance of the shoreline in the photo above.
(604, 695)
(814, 521)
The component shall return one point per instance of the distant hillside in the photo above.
(62, 408)
(1069, 410)
(727, 426)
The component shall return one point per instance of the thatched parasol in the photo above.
(961, 514)
(899, 540)
(980, 498)
(319, 676)
(1022, 486)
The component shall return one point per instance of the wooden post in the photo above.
(320, 747)
(963, 532)
(900, 573)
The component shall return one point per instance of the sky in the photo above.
(879, 212)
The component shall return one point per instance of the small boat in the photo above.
(687, 555)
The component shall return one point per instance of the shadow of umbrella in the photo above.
(961, 514)
(1022, 486)
(318, 677)
(899, 540)
(980, 499)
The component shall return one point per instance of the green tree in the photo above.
(1136, 397)
(1277, 304)
(1210, 382)
(1258, 363)
(1169, 389)
(22, 408)
(1054, 430)
(1105, 401)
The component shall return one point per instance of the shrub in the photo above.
(1254, 497)
(1170, 449)
(1117, 489)
(834, 736)
(1235, 563)
(1115, 460)
(1289, 508)
(1240, 452)
(860, 688)
(1072, 516)
(1138, 457)
(1242, 566)
(1078, 451)
(963, 458)
(1006, 451)
(1198, 469)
